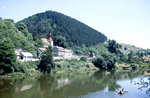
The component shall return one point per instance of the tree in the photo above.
(39, 43)
(7, 56)
(60, 41)
(105, 61)
(131, 57)
(100, 63)
(123, 57)
(83, 59)
(125, 48)
(113, 46)
(18, 33)
(47, 63)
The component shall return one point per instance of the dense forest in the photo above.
(75, 32)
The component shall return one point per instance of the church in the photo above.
(59, 51)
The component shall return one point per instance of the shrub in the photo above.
(106, 61)
(83, 59)
(87, 65)
(134, 66)
(24, 67)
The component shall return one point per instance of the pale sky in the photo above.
(126, 21)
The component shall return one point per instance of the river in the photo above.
(101, 84)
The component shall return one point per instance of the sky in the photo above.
(126, 21)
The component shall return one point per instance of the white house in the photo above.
(61, 52)
(26, 56)
(68, 53)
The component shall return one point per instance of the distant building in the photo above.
(64, 53)
(48, 41)
(60, 51)
(91, 54)
(68, 53)
(42, 49)
(26, 56)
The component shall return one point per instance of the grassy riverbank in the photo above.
(131, 66)
(73, 65)
(31, 68)
(24, 69)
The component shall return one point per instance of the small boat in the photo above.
(122, 91)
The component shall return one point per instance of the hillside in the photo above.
(127, 48)
(75, 32)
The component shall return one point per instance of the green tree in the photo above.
(18, 33)
(123, 58)
(60, 41)
(100, 63)
(39, 43)
(7, 56)
(105, 61)
(113, 46)
(131, 57)
(47, 63)
(83, 59)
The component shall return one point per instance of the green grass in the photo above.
(73, 65)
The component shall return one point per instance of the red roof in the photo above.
(42, 49)
(68, 50)
(17, 52)
(44, 40)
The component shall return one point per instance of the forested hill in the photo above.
(75, 32)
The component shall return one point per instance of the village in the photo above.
(60, 53)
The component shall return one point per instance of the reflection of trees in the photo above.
(63, 85)
(5, 87)
(106, 80)
(110, 79)
(144, 84)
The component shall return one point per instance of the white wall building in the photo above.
(26, 56)
(61, 52)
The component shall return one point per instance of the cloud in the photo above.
(3, 6)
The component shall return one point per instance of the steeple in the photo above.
(50, 40)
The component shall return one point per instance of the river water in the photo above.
(101, 84)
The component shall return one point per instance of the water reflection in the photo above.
(65, 85)
(143, 84)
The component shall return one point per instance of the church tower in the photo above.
(50, 40)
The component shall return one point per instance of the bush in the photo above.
(106, 61)
(134, 66)
(24, 67)
(83, 59)
(87, 65)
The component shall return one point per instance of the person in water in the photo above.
(122, 91)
